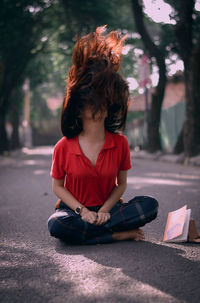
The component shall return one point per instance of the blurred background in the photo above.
(161, 62)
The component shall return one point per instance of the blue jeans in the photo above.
(66, 225)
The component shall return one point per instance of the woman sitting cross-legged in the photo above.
(90, 162)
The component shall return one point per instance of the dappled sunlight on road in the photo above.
(97, 281)
(27, 272)
(40, 172)
(37, 162)
(185, 252)
(41, 150)
(156, 181)
(70, 274)
(30, 162)
(174, 175)
(33, 162)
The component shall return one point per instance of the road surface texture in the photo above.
(38, 268)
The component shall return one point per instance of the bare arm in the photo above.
(103, 213)
(61, 192)
(117, 192)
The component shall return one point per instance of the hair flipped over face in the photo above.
(93, 81)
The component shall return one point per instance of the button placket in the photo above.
(87, 161)
(99, 160)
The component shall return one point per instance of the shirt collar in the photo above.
(108, 144)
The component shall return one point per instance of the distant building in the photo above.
(172, 115)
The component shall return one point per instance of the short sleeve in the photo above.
(126, 155)
(57, 170)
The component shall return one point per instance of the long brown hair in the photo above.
(93, 80)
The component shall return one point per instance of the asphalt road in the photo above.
(38, 268)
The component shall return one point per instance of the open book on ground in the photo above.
(177, 226)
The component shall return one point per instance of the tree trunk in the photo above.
(4, 144)
(156, 106)
(15, 141)
(189, 125)
(192, 121)
(179, 147)
(196, 95)
(157, 97)
(16, 101)
(190, 57)
(8, 85)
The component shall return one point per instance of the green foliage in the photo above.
(19, 31)
(176, 5)
(37, 39)
(48, 70)
(39, 109)
(135, 115)
(168, 39)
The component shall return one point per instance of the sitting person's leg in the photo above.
(128, 217)
(134, 214)
(123, 225)
(67, 226)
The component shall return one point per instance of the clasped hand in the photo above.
(92, 217)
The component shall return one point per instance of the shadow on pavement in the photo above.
(31, 277)
(162, 267)
(27, 276)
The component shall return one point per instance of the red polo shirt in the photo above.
(90, 185)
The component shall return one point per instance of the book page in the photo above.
(184, 236)
(175, 223)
